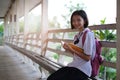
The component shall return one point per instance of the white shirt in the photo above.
(89, 49)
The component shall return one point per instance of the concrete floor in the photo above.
(13, 68)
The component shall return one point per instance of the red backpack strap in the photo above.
(84, 36)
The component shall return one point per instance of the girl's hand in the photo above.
(66, 46)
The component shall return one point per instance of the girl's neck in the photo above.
(81, 29)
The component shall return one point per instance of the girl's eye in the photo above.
(78, 20)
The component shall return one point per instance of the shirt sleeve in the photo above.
(89, 43)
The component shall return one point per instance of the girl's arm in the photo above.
(82, 55)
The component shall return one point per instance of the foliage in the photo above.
(108, 35)
(21, 25)
(108, 53)
(34, 22)
(105, 35)
(66, 17)
(55, 56)
(1, 33)
(1, 28)
(111, 74)
(70, 7)
(54, 23)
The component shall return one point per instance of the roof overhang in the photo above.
(5, 5)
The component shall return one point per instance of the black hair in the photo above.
(81, 13)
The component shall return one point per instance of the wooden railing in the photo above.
(107, 44)
(53, 56)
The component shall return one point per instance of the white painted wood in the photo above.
(17, 17)
(33, 3)
(44, 25)
(21, 5)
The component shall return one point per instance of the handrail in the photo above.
(43, 60)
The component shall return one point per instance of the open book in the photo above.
(76, 48)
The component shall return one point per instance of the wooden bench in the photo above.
(53, 37)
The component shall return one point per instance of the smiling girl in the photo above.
(80, 68)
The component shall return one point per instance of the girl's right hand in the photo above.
(65, 46)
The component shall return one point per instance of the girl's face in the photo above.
(78, 22)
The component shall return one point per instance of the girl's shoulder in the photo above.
(88, 32)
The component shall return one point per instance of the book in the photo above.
(76, 48)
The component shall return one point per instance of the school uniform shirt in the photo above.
(89, 49)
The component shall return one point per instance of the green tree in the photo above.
(107, 35)
(108, 53)
(54, 23)
(71, 7)
(1, 29)
(21, 24)
(34, 22)
(1, 33)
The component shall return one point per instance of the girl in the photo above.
(80, 68)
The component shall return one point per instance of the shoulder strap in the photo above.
(84, 36)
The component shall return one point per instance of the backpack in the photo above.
(97, 60)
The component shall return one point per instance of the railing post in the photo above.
(118, 40)
(44, 25)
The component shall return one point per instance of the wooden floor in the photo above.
(13, 68)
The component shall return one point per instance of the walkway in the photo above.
(13, 68)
